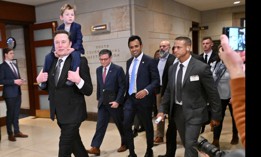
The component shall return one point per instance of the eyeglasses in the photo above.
(103, 59)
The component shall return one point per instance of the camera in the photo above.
(236, 37)
(204, 146)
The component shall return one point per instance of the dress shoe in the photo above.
(123, 148)
(234, 140)
(216, 143)
(135, 133)
(141, 129)
(158, 140)
(94, 150)
(11, 138)
(149, 153)
(134, 155)
(20, 135)
(69, 83)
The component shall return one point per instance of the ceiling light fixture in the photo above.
(236, 2)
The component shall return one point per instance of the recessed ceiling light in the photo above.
(236, 2)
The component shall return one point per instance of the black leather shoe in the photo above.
(149, 153)
(69, 83)
(43, 85)
(141, 129)
(134, 155)
(135, 133)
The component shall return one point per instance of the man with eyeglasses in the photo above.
(110, 96)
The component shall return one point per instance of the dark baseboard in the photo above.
(92, 116)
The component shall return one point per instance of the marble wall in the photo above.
(153, 20)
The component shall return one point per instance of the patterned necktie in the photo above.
(13, 69)
(133, 80)
(57, 71)
(179, 83)
(104, 75)
(206, 59)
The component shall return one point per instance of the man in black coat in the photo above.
(67, 103)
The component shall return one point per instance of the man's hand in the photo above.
(162, 115)
(42, 77)
(74, 76)
(19, 82)
(141, 94)
(114, 104)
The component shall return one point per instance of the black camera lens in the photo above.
(204, 146)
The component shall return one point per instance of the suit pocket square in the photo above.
(194, 78)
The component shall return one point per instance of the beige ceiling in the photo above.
(201, 5)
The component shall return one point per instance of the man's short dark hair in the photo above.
(206, 38)
(62, 32)
(105, 51)
(186, 39)
(134, 37)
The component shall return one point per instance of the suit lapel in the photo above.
(174, 73)
(110, 70)
(189, 68)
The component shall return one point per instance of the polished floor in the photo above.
(44, 136)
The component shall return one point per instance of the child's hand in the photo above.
(55, 54)
(70, 50)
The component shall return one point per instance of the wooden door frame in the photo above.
(34, 88)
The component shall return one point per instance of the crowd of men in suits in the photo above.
(187, 95)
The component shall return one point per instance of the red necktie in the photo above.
(104, 75)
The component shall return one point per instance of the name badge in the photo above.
(194, 78)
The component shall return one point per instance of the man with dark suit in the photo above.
(208, 56)
(10, 78)
(165, 61)
(142, 78)
(110, 96)
(189, 88)
(67, 103)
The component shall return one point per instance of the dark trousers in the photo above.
(189, 133)
(132, 107)
(70, 141)
(218, 129)
(104, 114)
(171, 138)
(13, 106)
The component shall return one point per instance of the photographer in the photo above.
(235, 65)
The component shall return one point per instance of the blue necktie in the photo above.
(132, 80)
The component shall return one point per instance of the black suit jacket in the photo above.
(198, 89)
(114, 84)
(7, 77)
(169, 62)
(147, 77)
(214, 56)
(67, 103)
